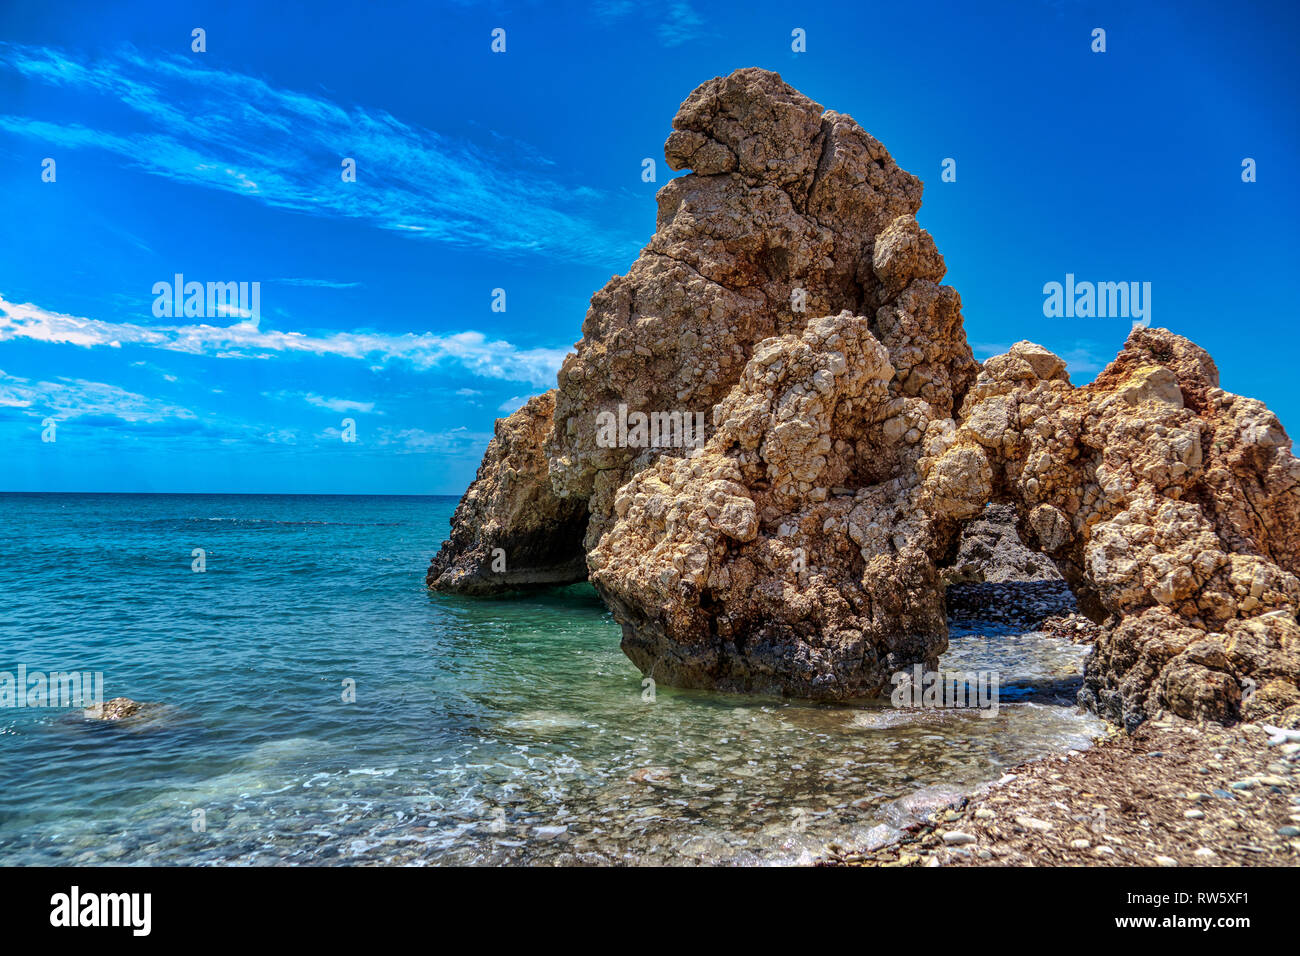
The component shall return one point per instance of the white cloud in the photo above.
(473, 351)
(68, 398)
(459, 440)
(187, 122)
(320, 401)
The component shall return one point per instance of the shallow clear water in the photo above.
(483, 731)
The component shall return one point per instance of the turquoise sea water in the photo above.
(482, 732)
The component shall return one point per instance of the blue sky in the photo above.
(522, 171)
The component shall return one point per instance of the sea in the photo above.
(307, 700)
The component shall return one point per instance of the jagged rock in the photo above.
(1171, 506)
(777, 224)
(510, 531)
(793, 552)
(790, 298)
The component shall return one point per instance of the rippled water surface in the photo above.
(482, 732)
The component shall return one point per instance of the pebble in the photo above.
(985, 814)
(1273, 781)
(957, 838)
(1104, 851)
(1205, 853)
(1166, 861)
(1080, 844)
(1289, 749)
(985, 854)
(1289, 831)
(1033, 824)
(1278, 736)
(1247, 784)
(1194, 814)
(549, 833)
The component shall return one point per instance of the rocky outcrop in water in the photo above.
(801, 543)
(119, 708)
(1171, 506)
(510, 531)
(795, 551)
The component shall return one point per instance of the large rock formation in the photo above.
(778, 222)
(790, 299)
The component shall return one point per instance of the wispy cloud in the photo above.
(453, 441)
(320, 401)
(473, 351)
(69, 398)
(317, 283)
(236, 133)
(680, 24)
(676, 22)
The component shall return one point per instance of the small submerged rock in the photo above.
(137, 716)
(657, 777)
(118, 708)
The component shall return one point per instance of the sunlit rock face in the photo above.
(510, 532)
(1171, 506)
(789, 301)
(776, 224)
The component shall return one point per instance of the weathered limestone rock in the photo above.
(1171, 506)
(790, 296)
(778, 223)
(793, 553)
(510, 531)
